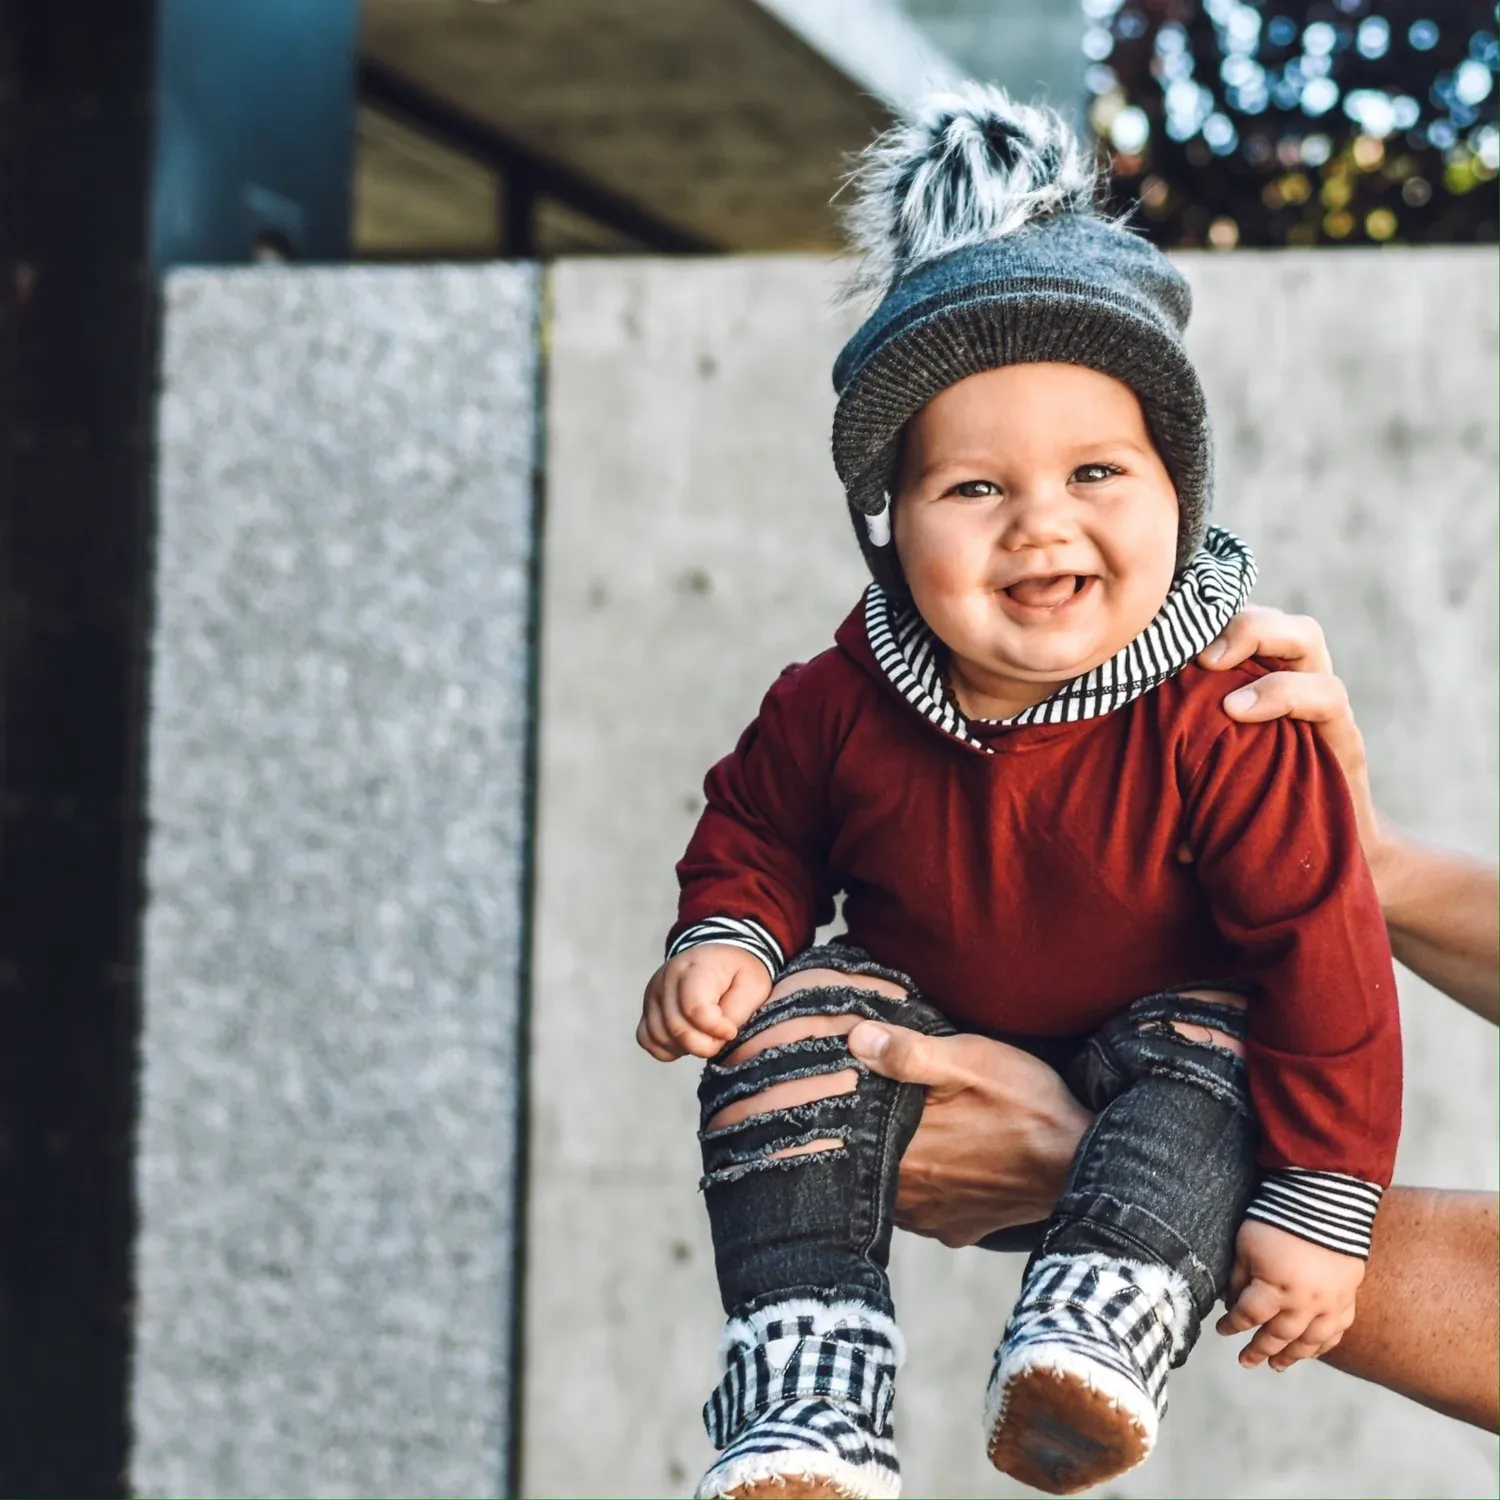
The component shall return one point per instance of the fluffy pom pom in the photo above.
(970, 165)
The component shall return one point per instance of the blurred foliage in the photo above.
(1284, 122)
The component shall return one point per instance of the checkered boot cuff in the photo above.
(1124, 1317)
(807, 1393)
(1080, 1380)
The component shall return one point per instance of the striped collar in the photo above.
(1213, 586)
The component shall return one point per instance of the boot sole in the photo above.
(761, 1479)
(789, 1487)
(1060, 1434)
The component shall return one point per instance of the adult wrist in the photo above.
(1054, 1147)
(1389, 857)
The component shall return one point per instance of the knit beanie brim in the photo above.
(993, 257)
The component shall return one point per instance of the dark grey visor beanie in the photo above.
(979, 234)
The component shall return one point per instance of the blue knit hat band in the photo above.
(1072, 289)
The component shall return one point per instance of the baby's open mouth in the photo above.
(1049, 592)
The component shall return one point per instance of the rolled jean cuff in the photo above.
(1331, 1209)
(1098, 1223)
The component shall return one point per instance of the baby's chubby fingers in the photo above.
(651, 1032)
(687, 1037)
(653, 1038)
(1239, 1279)
(1256, 1304)
(745, 995)
(697, 1000)
(1322, 1334)
(692, 1015)
(1284, 1330)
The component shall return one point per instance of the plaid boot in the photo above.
(804, 1405)
(1080, 1380)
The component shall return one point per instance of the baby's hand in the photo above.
(698, 1001)
(1300, 1295)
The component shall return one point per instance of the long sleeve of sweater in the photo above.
(755, 872)
(1272, 830)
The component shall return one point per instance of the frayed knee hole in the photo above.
(811, 979)
(799, 1029)
(807, 1148)
(787, 1095)
(1207, 1036)
(1216, 997)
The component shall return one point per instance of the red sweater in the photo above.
(1037, 889)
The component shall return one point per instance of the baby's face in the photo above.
(1035, 522)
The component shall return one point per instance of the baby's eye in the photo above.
(976, 489)
(1093, 473)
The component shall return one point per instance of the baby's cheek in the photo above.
(1143, 573)
(1139, 540)
(939, 573)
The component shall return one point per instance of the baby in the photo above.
(1045, 830)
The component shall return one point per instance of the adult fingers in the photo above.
(1318, 697)
(905, 1055)
(1260, 631)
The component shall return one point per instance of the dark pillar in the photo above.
(75, 454)
(253, 154)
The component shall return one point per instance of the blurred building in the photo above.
(1299, 122)
(1033, 47)
(519, 129)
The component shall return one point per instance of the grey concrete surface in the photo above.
(338, 724)
(696, 542)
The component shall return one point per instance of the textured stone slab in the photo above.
(696, 543)
(338, 725)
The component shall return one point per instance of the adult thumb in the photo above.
(895, 1052)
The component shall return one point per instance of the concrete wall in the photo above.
(696, 542)
(338, 730)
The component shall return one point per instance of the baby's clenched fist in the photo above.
(698, 1001)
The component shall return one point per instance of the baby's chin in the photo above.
(1043, 671)
(1042, 660)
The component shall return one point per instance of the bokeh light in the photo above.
(1299, 121)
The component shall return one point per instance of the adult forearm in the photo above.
(1442, 910)
(1427, 1324)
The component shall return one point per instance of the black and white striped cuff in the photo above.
(1331, 1209)
(737, 932)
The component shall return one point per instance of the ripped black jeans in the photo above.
(1164, 1174)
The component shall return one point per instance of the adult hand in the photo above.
(996, 1139)
(1306, 688)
